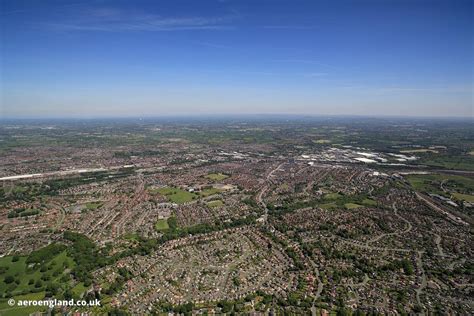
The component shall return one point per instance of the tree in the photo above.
(9, 279)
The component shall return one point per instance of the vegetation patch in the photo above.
(216, 176)
(322, 141)
(328, 206)
(94, 205)
(162, 225)
(332, 196)
(419, 150)
(176, 195)
(215, 203)
(209, 191)
(7, 310)
(459, 162)
(369, 202)
(352, 205)
(22, 212)
(44, 270)
(435, 183)
(464, 197)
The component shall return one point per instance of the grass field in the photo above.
(465, 197)
(431, 182)
(459, 162)
(94, 205)
(217, 176)
(78, 289)
(420, 150)
(162, 225)
(7, 310)
(216, 203)
(352, 206)
(322, 141)
(369, 202)
(332, 196)
(176, 195)
(209, 191)
(25, 279)
(328, 206)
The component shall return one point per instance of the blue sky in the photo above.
(138, 58)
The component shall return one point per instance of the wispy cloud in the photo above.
(381, 90)
(115, 20)
(289, 27)
(33, 8)
(303, 61)
(212, 45)
(315, 74)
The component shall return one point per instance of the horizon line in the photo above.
(234, 115)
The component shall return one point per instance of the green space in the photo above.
(22, 212)
(332, 196)
(328, 201)
(328, 206)
(418, 150)
(7, 310)
(352, 205)
(33, 191)
(458, 162)
(209, 191)
(322, 141)
(176, 195)
(131, 236)
(215, 203)
(432, 183)
(94, 205)
(44, 269)
(162, 224)
(464, 197)
(369, 202)
(216, 176)
(78, 289)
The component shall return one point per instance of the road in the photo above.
(259, 197)
(405, 231)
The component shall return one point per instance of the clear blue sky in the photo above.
(134, 58)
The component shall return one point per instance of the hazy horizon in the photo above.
(99, 59)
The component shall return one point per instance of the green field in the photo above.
(217, 176)
(94, 205)
(27, 279)
(464, 197)
(176, 195)
(328, 206)
(419, 150)
(7, 310)
(209, 191)
(332, 196)
(432, 182)
(352, 206)
(162, 225)
(78, 289)
(459, 162)
(322, 141)
(369, 202)
(216, 203)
